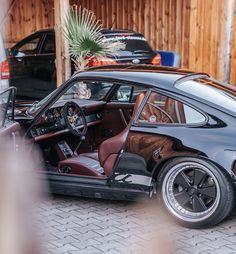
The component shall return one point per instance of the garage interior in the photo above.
(203, 32)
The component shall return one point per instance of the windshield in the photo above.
(87, 90)
(90, 90)
(133, 45)
(219, 94)
(37, 104)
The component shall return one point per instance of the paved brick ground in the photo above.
(87, 226)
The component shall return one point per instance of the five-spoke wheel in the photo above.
(196, 192)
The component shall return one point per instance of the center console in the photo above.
(63, 150)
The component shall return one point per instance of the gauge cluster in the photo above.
(53, 121)
(54, 115)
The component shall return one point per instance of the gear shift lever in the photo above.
(82, 138)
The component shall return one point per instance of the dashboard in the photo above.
(52, 122)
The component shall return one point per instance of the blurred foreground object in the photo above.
(157, 227)
(19, 192)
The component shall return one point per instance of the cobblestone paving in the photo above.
(88, 226)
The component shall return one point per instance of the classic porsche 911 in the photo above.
(128, 131)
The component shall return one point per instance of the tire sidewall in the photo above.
(225, 188)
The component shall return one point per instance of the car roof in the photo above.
(46, 30)
(106, 31)
(150, 75)
(114, 32)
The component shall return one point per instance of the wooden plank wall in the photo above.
(27, 16)
(194, 28)
(191, 27)
(233, 50)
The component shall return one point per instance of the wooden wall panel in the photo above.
(190, 27)
(194, 28)
(233, 51)
(27, 16)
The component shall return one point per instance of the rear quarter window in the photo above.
(160, 109)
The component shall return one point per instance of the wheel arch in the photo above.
(157, 169)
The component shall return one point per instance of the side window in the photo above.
(161, 109)
(127, 93)
(29, 47)
(49, 45)
(122, 94)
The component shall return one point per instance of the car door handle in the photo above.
(22, 61)
(19, 59)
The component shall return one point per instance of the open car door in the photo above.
(9, 129)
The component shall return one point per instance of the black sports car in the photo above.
(126, 131)
(32, 60)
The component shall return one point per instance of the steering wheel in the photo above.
(75, 119)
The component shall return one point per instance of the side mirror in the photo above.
(12, 52)
(8, 52)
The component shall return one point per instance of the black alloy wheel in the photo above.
(194, 189)
(196, 192)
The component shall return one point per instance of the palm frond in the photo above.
(83, 32)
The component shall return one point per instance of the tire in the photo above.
(195, 192)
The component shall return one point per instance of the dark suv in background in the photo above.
(32, 60)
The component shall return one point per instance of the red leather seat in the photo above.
(101, 163)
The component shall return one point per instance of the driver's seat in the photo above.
(101, 163)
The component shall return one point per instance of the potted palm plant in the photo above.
(86, 42)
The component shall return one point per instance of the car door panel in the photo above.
(43, 69)
(40, 81)
(18, 73)
(12, 133)
(9, 129)
(21, 62)
(149, 146)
